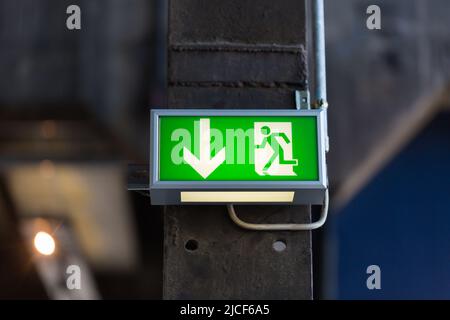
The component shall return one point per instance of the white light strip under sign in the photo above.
(238, 196)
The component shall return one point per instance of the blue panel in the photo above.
(401, 222)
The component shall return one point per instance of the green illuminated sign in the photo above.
(239, 148)
(236, 155)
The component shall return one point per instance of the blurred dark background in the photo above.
(74, 112)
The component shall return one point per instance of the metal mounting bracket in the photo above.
(302, 100)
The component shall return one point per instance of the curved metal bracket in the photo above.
(282, 226)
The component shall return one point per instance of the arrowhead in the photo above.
(204, 167)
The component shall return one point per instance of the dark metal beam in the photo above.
(246, 55)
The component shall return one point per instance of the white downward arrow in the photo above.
(206, 164)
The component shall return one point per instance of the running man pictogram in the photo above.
(275, 149)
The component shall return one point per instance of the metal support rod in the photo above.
(318, 33)
(320, 74)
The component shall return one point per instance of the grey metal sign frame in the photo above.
(169, 192)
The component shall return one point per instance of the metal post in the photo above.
(320, 74)
(319, 53)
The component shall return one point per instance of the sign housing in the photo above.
(237, 156)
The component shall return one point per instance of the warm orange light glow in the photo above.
(44, 243)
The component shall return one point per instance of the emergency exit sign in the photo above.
(237, 156)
